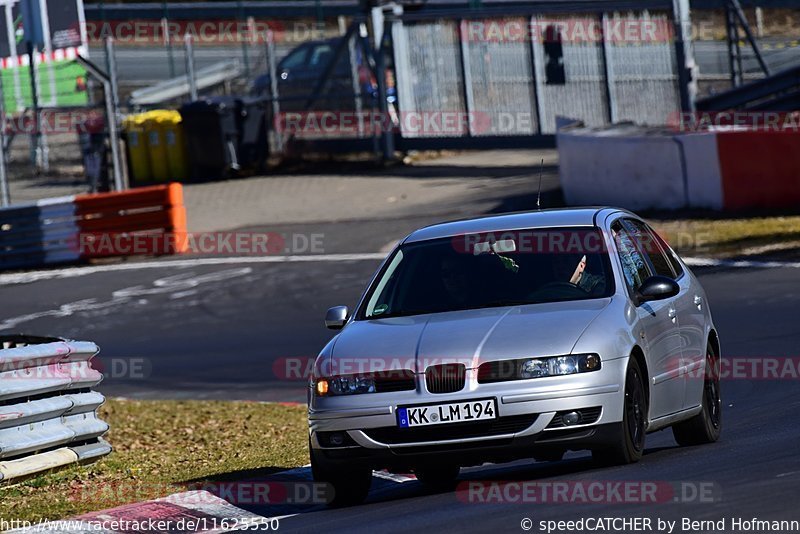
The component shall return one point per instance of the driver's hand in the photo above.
(578, 271)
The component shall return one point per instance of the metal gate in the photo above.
(513, 76)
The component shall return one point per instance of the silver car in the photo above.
(514, 336)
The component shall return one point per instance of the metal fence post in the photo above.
(5, 193)
(245, 51)
(190, 70)
(357, 95)
(538, 73)
(168, 39)
(533, 35)
(37, 143)
(466, 75)
(274, 95)
(111, 65)
(608, 70)
(684, 54)
(381, 47)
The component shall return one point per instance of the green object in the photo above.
(69, 91)
(509, 264)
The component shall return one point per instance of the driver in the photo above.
(571, 268)
(456, 280)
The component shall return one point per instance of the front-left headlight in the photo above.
(528, 368)
(345, 385)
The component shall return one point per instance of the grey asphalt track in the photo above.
(752, 472)
(217, 331)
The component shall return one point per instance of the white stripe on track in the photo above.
(73, 272)
(741, 264)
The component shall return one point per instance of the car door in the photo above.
(690, 305)
(292, 83)
(658, 321)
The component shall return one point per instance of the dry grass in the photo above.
(730, 237)
(160, 447)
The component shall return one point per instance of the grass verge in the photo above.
(159, 448)
(731, 237)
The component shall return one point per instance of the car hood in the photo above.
(471, 337)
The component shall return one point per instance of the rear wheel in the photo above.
(630, 442)
(438, 477)
(706, 426)
(350, 486)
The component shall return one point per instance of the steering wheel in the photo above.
(558, 290)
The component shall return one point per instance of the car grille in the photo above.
(447, 378)
(389, 381)
(588, 416)
(495, 427)
(499, 371)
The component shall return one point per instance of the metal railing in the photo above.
(48, 411)
(183, 86)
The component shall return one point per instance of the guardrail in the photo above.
(206, 78)
(48, 411)
(77, 228)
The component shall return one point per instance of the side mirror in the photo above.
(337, 317)
(657, 288)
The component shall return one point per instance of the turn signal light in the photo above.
(322, 387)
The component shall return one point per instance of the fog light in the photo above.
(571, 418)
(336, 439)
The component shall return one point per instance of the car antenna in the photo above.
(539, 196)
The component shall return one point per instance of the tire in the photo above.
(350, 486)
(633, 428)
(438, 478)
(706, 426)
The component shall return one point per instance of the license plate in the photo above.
(442, 414)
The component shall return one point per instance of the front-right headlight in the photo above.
(529, 368)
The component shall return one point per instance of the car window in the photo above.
(651, 246)
(476, 271)
(671, 256)
(634, 265)
(296, 59)
(321, 55)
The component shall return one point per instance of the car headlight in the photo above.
(529, 368)
(345, 385)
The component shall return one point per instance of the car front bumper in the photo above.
(528, 414)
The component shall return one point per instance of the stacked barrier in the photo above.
(48, 411)
(78, 228)
(637, 168)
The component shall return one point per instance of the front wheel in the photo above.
(706, 426)
(350, 486)
(630, 444)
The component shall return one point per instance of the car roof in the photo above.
(550, 218)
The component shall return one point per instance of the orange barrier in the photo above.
(759, 169)
(149, 221)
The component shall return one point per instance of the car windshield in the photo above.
(491, 270)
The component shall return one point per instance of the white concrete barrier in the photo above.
(624, 166)
(645, 168)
